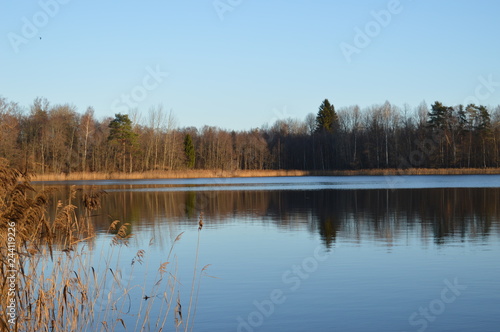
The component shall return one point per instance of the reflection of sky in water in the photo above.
(306, 183)
(386, 258)
(363, 285)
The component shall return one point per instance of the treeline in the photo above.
(46, 138)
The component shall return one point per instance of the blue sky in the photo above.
(249, 62)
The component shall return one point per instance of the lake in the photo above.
(363, 253)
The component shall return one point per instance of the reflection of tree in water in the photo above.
(355, 215)
(327, 212)
(328, 228)
(190, 204)
(460, 212)
(388, 215)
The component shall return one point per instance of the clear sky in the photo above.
(239, 64)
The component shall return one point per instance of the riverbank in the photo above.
(192, 174)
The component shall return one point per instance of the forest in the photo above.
(44, 138)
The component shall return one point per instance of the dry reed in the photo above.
(185, 174)
(57, 287)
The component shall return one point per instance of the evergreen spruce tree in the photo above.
(189, 151)
(327, 119)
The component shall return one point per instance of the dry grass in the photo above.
(185, 174)
(45, 285)
(56, 287)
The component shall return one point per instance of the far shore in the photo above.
(194, 174)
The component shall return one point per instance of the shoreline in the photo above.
(196, 174)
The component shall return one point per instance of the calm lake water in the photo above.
(399, 253)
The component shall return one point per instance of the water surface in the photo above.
(367, 253)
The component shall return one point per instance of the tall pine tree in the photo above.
(439, 116)
(122, 135)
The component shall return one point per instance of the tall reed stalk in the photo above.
(59, 285)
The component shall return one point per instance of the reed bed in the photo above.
(49, 272)
(186, 174)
